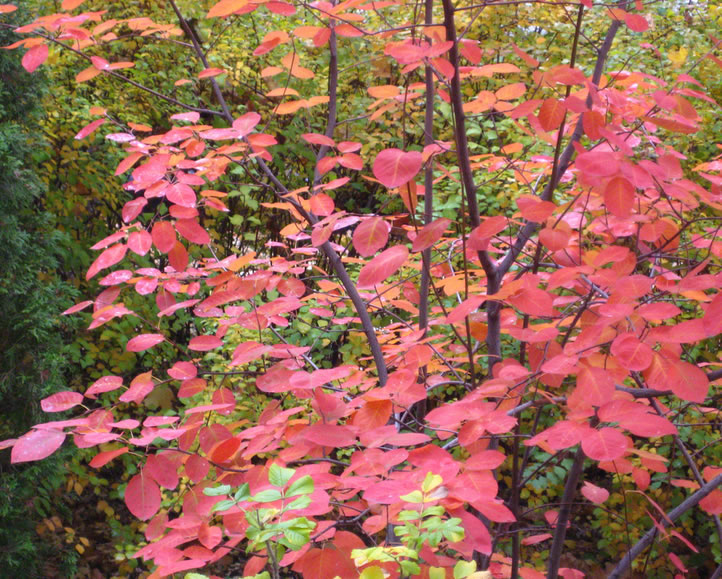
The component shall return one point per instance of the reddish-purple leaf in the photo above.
(163, 470)
(330, 435)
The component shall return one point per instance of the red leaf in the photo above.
(34, 57)
(163, 236)
(606, 444)
(689, 382)
(108, 258)
(163, 471)
(317, 139)
(181, 194)
(551, 114)
(595, 387)
(534, 209)
(712, 320)
(383, 266)
(430, 234)
(322, 204)
(204, 343)
(103, 458)
(197, 468)
(480, 236)
(36, 445)
(330, 435)
(370, 236)
(636, 22)
(76, 308)
(209, 536)
(61, 401)
(143, 342)
(533, 301)
(394, 167)
(246, 123)
(142, 496)
(630, 353)
(595, 494)
(619, 197)
(192, 231)
(88, 129)
(139, 242)
(132, 209)
(104, 384)
(597, 164)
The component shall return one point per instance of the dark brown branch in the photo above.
(560, 533)
(493, 275)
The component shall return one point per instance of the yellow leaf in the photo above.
(677, 57)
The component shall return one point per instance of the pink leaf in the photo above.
(370, 236)
(382, 266)
(394, 167)
(142, 496)
(36, 445)
(61, 401)
(34, 57)
(595, 494)
(143, 342)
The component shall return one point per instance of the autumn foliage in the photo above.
(544, 297)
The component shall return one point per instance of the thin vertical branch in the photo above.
(493, 278)
(560, 533)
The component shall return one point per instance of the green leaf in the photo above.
(300, 503)
(413, 497)
(301, 486)
(217, 491)
(464, 569)
(437, 573)
(431, 482)
(223, 506)
(267, 496)
(279, 476)
(243, 493)
(374, 572)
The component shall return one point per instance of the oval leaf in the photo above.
(394, 167)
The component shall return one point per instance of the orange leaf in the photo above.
(226, 8)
